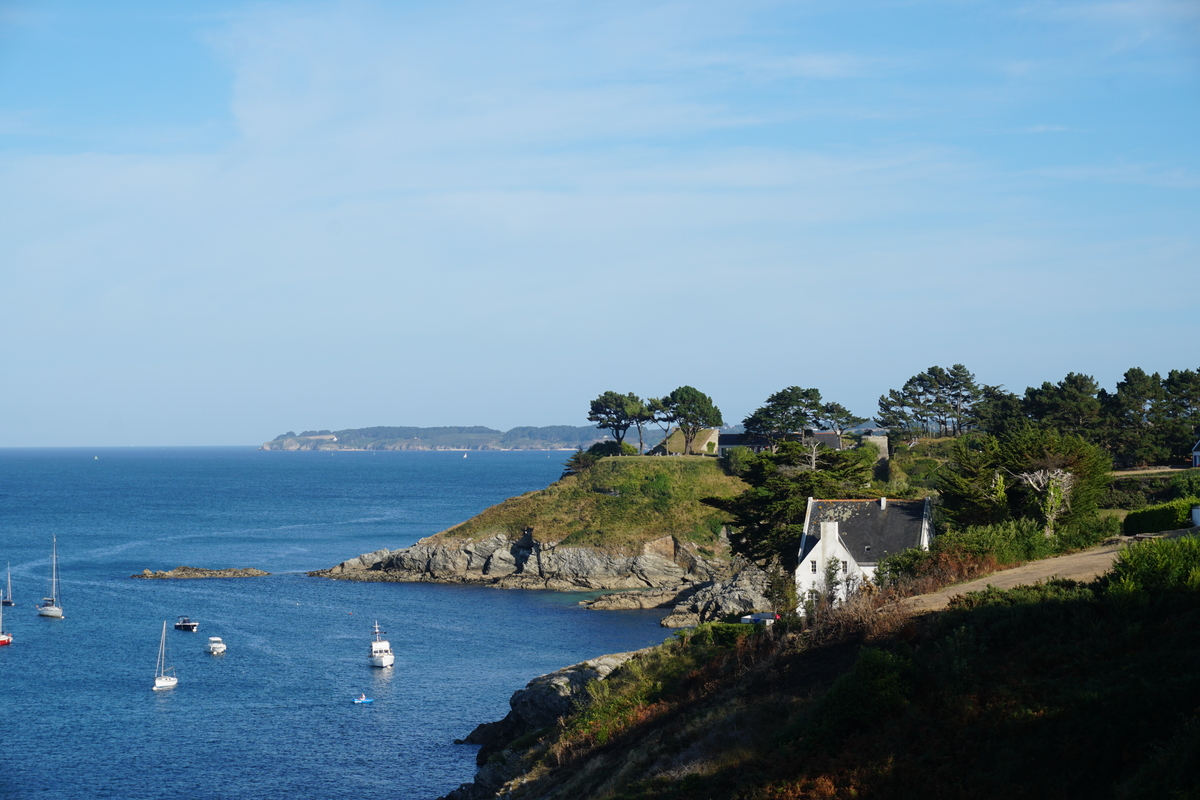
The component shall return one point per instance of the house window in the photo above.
(844, 566)
(814, 567)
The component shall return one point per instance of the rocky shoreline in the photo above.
(182, 572)
(543, 701)
(666, 573)
(527, 563)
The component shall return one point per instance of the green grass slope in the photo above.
(1062, 690)
(617, 505)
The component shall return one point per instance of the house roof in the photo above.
(1196, 448)
(869, 530)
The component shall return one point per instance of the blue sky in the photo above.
(224, 220)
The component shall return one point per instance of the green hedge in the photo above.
(1163, 517)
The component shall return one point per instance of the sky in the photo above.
(220, 221)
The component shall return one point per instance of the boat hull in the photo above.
(50, 611)
(5, 638)
(383, 661)
(165, 682)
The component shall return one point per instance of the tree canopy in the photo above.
(616, 412)
(692, 410)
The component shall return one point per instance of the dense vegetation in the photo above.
(616, 505)
(1055, 690)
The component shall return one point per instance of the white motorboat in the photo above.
(50, 606)
(187, 624)
(164, 676)
(215, 645)
(381, 649)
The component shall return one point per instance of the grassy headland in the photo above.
(617, 505)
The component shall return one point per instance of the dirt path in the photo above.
(1078, 566)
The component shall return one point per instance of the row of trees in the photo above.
(1147, 419)
(794, 410)
(686, 407)
(786, 413)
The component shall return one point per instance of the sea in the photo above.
(274, 716)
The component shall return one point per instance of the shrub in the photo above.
(1159, 565)
(737, 460)
(1163, 517)
(1185, 484)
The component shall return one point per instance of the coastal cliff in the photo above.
(527, 563)
(625, 523)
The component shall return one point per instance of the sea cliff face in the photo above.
(527, 563)
(541, 704)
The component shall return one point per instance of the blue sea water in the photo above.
(273, 717)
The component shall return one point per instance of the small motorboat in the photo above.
(381, 649)
(215, 645)
(187, 624)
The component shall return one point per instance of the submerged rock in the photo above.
(198, 572)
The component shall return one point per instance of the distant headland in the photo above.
(477, 437)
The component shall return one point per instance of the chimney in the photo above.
(883, 503)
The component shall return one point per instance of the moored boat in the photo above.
(164, 676)
(215, 645)
(5, 638)
(51, 606)
(381, 649)
(187, 624)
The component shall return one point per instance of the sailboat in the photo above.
(49, 606)
(5, 638)
(7, 600)
(164, 676)
(381, 650)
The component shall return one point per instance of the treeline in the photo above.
(1146, 419)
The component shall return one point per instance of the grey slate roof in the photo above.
(868, 531)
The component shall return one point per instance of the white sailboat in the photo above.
(49, 607)
(164, 676)
(7, 599)
(5, 638)
(381, 650)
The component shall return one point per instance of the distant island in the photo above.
(477, 437)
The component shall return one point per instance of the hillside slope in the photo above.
(1063, 689)
(625, 523)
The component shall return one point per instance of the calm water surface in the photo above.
(273, 717)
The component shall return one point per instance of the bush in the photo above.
(1159, 565)
(1163, 517)
(1185, 484)
(1011, 542)
(737, 460)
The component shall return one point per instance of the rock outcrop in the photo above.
(197, 572)
(542, 702)
(743, 593)
(526, 563)
(739, 592)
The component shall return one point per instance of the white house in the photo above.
(855, 534)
